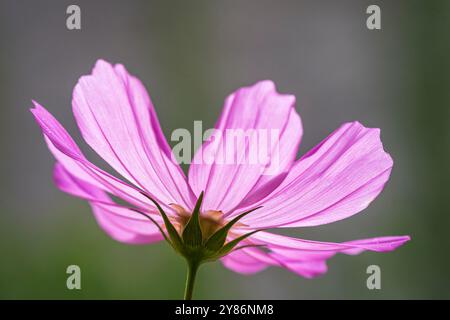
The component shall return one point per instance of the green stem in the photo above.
(190, 280)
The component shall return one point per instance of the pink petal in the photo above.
(335, 180)
(280, 243)
(117, 119)
(120, 223)
(306, 269)
(69, 155)
(239, 261)
(304, 257)
(253, 260)
(243, 179)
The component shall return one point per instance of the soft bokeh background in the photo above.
(190, 55)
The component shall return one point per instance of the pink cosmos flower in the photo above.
(333, 181)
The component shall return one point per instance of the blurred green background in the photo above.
(190, 55)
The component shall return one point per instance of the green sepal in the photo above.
(227, 248)
(192, 233)
(217, 239)
(177, 243)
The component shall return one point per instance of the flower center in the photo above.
(210, 221)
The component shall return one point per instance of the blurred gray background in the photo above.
(190, 55)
